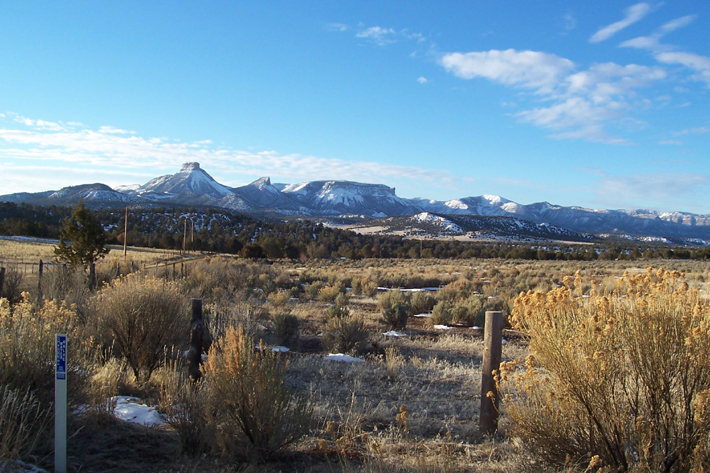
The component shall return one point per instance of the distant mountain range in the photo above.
(195, 187)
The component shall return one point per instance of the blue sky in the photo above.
(600, 104)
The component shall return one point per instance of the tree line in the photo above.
(214, 230)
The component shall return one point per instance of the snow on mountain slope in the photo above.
(338, 197)
(261, 194)
(445, 224)
(191, 182)
(193, 186)
(95, 193)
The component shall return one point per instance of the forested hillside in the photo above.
(229, 232)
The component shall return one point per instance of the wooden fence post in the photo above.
(92, 276)
(39, 282)
(2, 279)
(492, 341)
(197, 329)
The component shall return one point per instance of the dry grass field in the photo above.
(411, 405)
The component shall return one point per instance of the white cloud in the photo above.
(671, 142)
(39, 124)
(528, 69)
(668, 54)
(570, 22)
(418, 37)
(677, 23)
(122, 152)
(422, 80)
(693, 131)
(628, 191)
(339, 27)
(633, 14)
(380, 36)
(115, 131)
(652, 42)
(699, 64)
(582, 102)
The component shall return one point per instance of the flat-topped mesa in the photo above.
(186, 167)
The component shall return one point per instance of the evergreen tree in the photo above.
(87, 239)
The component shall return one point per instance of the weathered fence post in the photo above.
(2, 279)
(197, 329)
(92, 276)
(492, 341)
(39, 282)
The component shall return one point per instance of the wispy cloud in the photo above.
(115, 131)
(652, 42)
(39, 124)
(422, 80)
(669, 54)
(340, 27)
(114, 149)
(570, 22)
(582, 101)
(699, 64)
(378, 35)
(692, 131)
(527, 69)
(629, 191)
(633, 14)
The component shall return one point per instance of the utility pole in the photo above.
(184, 234)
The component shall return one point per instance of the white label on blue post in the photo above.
(61, 356)
(60, 404)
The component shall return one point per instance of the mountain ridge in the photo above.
(192, 185)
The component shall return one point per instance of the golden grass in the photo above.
(413, 404)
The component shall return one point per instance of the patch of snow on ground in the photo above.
(442, 327)
(344, 358)
(129, 409)
(280, 349)
(28, 239)
(395, 334)
(422, 315)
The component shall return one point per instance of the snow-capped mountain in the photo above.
(94, 193)
(489, 205)
(261, 194)
(473, 227)
(193, 186)
(345, 197)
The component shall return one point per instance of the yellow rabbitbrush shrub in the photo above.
(256, 414)
(621, 377)
(27, 338)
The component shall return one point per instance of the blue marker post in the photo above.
(60, 405)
